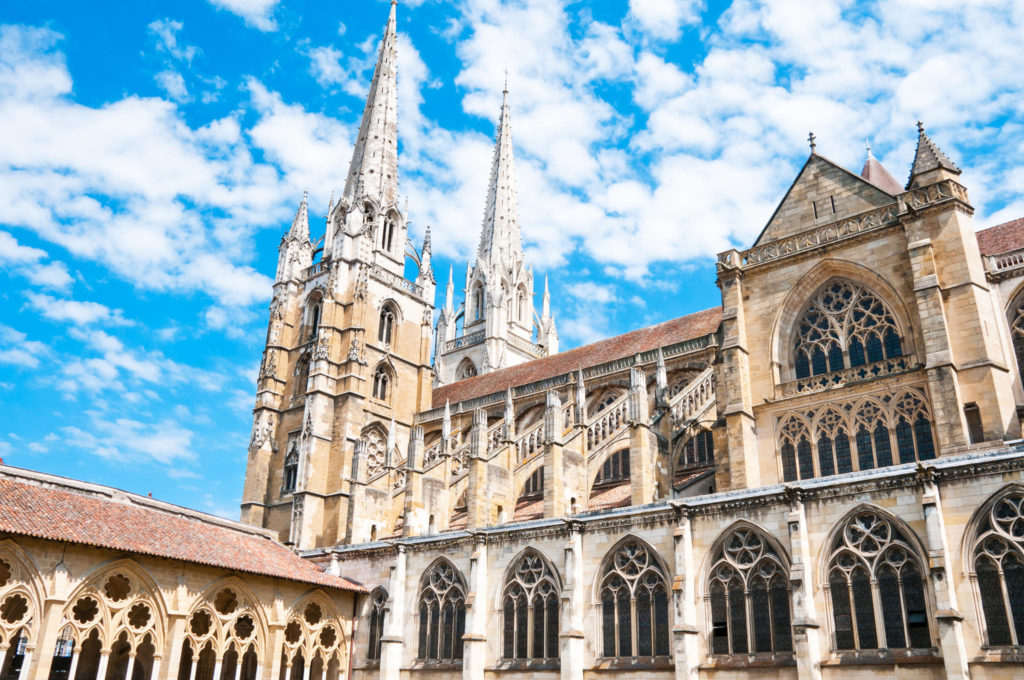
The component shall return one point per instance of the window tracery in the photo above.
(844, 325)
(748, 596)
(634, 604)
(290, 471)
(860, 435)
(533, 487)
(381, 383)
(876, 586)
(378, 610)
(442, 611)
(530, 604)
(998, 567)
(699, 450)
(223, 624)
(385, 326)
(18, 612)
(313, 642)
(614, 469)
(1016, 319)
(376, 452)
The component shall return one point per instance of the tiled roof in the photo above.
(929, 156)
(618, 496)
(677, 330)
(458, 521)
(59, 509)
(528, 509)
(876, 173)
(1002, 237)
(686, 477)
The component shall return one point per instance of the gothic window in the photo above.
(381, 383)
(530, 605)
(1016, 317)
(603, 402)
(634, 604)
(521, 305)
(291, 468)
(378, 602)
(874, 432)
(442, 611)
(478, 302)
(999, 570)
(844, 325)
(376, 450)
(534, 486)
(614, 469)
(387, 233)
(876, 585)
(385, 328)
(301, 376)
(466, 370)
(699, 450)
(314, 321)
(749, 596)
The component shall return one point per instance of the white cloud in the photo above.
(166, 33)
(53, 275)
(13, 252)
(257, 13)
(663, 19)
(131, 441)
(172, 82)
(325, 65)
(75, 311)
(588, 291)
(17, 350)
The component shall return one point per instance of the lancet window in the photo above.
(221, 626)
(381, 383)
(614, 469)
(442, 612)
(314, 320)
(385, 327)
(534, 485)
(290, 472)
(844, 325)
(387, 233)
(634, 603)
(530, 605)
(999, 570)
(301, 376)
(378, 604)
(18, 615)
(466, 369)
(313, 643)
(876, 587)
(873, 432)
(748, 596)
(478, 302)
(699, 450)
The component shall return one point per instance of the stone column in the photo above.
(131, 667)
(478, 505)
(155, 675)
(736, 444)
(571, 636)
(554, 427)
(806, 643)
(475, 639)
(948, 617)
(76, 655)
(642, 451)
(392, 642)
(101, 671)
(217, 669)
(684, 600)
(192, 673)
(26, 663)
(415, 508)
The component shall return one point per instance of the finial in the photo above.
(920, 128)
(811, 138)
(867, 144)
(305, 195)
(506, 79)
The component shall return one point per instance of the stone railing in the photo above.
(693, 399)
(607, 422)
(316, 268)
(465, 340)
(494, 436)
(530, 442)
(847, 376)
(458, 461)
(1003, 264)
(396, 281)
(432, 454)
(526, 345)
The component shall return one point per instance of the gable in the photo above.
(822, 193)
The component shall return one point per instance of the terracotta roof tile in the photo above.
(1002, 237)
(677, 330)
(686, 477)
(618, 496)
(528, 509)
(64, 510)
(876, 173)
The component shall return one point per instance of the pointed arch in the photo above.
(441, 610)
(231, 601)
(301, 375)
(377, 611)
(466, 369)
(384, 382)
(529, 600)
(377, 457)
(22, 594)
(388, 322)
(631, 591)
(785, 325)
(314, 633)
(312, 313)
(613, 468)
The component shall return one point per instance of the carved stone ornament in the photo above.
(262, 429)
(269, 367)
(276, 310)
(355, 353)
(322, 348)
(428, 316)
(297, 504)
(307, 428)
(362, 282)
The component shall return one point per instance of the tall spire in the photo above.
(928, 157)
(374, 166)
(545, 310)
(449, 293)
(300, 225)
(500, 239)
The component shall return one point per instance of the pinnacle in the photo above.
(500, 238)
(300, 225)
(929, 156)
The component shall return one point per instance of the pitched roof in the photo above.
(874, 172)
(60, 509)
(677, 330)
(1002, 238)
(610, 497)
(928, 156)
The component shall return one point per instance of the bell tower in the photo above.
(347, 358)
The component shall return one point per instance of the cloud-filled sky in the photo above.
(152, 153)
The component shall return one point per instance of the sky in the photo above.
(152, 153)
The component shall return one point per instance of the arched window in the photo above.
(478, 302)
(378, 602)
(844, 325)
(301, 376)
(385, 327)
(876, 585)
(699, 450)
(521, 305)
(314, 320)
(913, 428)
(442, 610)
(381, 383)
(795, 450)
(290, 472)
(467, 369)
(832, 443)
(748, 596)
(387, 232)
(999, 570)
(634, 604)
(530, 610)
(614, 469)
(534, 485)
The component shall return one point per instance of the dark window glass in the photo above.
(552, 628)
(825, 456)
(835, 358)
(992, 604)
(892, 345)
(509, 638)
(917, 613)
(883, 450)
(1013, 571)
(660, 621)
(874, 348)
(737, 617)
(608, 623)
(435, 630)
(923, 433)
(818, 363)
(424, 623)
(538, 629)
(803, 452)
(460, 628)
(892, 609)
(522, 621)
(643, 623)
(860, 584)
(625, 625)
(719, 620)
(843, 616)
(856, 353)
(780, 616)
(447, 631)
(865, 453)
(803, 369)
(842, 446)
(762, 609)
(975, 432)
(905, 441)
(788, 463)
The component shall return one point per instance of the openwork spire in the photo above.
(374, 167)
(500, 240)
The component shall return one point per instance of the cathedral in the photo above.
(820, 478)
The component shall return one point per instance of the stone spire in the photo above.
(500, 240)
(449, 293)
(928, 157)
(300, 225)
(545, 309)
(374, 167)
(876, 173)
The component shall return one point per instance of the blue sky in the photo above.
(153, 152)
